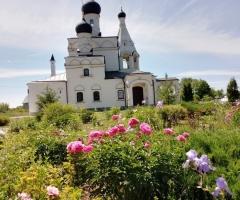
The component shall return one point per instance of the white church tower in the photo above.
(53, 67)
(91, 11)
(127, 51)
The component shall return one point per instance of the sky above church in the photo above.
(190, 38)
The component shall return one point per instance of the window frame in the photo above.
(77, 97)
(91, 22)
(119, 96)
(99, 97)
(87, 70)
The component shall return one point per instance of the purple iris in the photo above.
(191, 155)
(203, 164)
(221, 186)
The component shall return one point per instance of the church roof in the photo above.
(115, 74)
(58, 77)
(52, 58)
(169, 79)
(140, 72)
(91, 7)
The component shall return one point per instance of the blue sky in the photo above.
(184, 38)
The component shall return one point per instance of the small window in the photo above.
(120, 94)
(124, 43)
(79, 97)
(96, 96)
(91, 22)
(86, 72)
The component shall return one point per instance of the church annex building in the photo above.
(101, 71)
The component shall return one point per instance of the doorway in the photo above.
(137, 95)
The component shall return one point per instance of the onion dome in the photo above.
(83, 27)
(91, 7)
(122, 14)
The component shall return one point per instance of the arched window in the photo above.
(91, 22)
(79, 97)
(120, 94)
(86, 72)
(96, 96)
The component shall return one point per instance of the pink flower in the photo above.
(121, 128)
(24, 196)
(52, 191)
(113, 131)
(100, 141)
(168, 131)
(143, 101)
(75, 147)
(181, 138)
(90, 141)
(56, 133)
(132, 143)
(185, 134)
(133, 122)
(95, 134)
(87, 149)
(146, 128)
(139, 134)
(147, 145)
(115, 117)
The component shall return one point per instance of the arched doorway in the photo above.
(137, 95)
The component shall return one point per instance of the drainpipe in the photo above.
(154, 92)
(124, 92)
(66, 92)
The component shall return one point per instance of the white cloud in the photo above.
(209, 73)
(9, 73)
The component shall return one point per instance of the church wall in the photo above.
(35, 88)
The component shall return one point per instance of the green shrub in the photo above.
(61, 116)
(172, 114)
(28, 123)
(86, 116)
(4, 120)
(236, 118)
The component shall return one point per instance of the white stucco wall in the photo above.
(35, 88)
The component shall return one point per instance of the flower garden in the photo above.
(182, 151)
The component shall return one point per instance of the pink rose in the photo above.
(147, 145)
(95, 134)
(115, 117)
(133, 122)
(181, 138)
(24, 196)
(87, 149)
(121, 128)
(168, 131)
(144, 127)
(113, 131)
(56, 133)
(100, 141)
(132, 143)
(185, 134)
(75, 147)
(52, 191)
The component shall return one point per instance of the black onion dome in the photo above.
(83, 27)
(122, 14)
(91, 7)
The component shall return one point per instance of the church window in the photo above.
(86, 72)
(120, 94)
(79, 97)
(96, 96)
(91, 22)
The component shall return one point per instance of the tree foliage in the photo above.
(46, 97)
(4, 107)
(167, 91)
(232, 90)
(186, 89)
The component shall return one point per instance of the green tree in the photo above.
(46, 97)
(186, 89)
(232, 90)
(203, 88)
(167, 92)
(4, 107)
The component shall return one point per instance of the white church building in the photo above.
(101, 71)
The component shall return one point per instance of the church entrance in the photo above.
(137, 95)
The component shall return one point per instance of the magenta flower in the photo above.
(95, 134)
(181, 138)
(203, 164)
(52, 191)
(56, 132)
(144, 127)
(75, 147)
(121, 128)
(159, 104)
(147, 145)
(133, 122)
(168, 131)
(191, 155)
(100, 141)
(132, 143)
(221, 186)
(185, 134)
(113, 131)
(24, 196)
(87, 149)
(115, 117)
